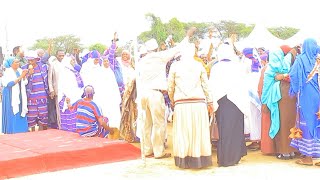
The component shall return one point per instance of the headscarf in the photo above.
(299, 72)
(8, 62)
(285, 49)
(264, 57)
(226, 52)
(252, 54)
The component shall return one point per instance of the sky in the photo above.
(96, 20)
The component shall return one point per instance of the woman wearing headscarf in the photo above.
(192, 99)
(14, 102)
(71, 86)
(275, 95)
(227, 81)
(308, 98)
(252, 61)
(266, 143)
(108, 95)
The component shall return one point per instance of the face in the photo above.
(60, 55)
(260, 51)
(32, 62)
(125, 56)
(96, 61)
(21, 52)
(40, 54)
(16, 64)
(106, 63)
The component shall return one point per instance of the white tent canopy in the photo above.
(260, 37)
(301, 35)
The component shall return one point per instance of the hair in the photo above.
(88, 91)
(59, 50)
(16, 50)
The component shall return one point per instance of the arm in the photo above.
(171, 83)
(212, 104)
(50, 78)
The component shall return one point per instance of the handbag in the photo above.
(214, 131)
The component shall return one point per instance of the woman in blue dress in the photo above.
(14, 104)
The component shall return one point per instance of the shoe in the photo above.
(150, 155)
(282, 157)
(254, 147)
(301, 162)
(165, 155)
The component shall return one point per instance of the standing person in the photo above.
(275, 89)
(90, 122)
(152, 71)
(189, 92)
(266, 144)
(37, 93)
(252, 61)
(227, 79)
(14, 104)
(308, 102)
(53, 78)
(71, 86)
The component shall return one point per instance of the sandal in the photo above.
(301, 162)
(166, 155)
(282, 157)
(317, 164)
(150, 155)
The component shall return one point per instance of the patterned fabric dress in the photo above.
(37, 93)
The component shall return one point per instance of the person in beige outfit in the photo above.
(152, 70)
(192, 99)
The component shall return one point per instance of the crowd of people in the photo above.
(268, 98)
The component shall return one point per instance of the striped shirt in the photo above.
(36, 87)
(87, 115)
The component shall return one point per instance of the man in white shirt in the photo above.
(152, 75)
(209, 45)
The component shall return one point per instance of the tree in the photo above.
(283, 32)
(99, 47)
(64, 42)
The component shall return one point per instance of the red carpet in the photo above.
(51, 150)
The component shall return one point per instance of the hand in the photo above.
(68, 100)
(51, 95)
(24, 73)
(210, 109)
(111, 131)
(115, 37)
(30, 71)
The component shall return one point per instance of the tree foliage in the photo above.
(99, 47)
(160, 31)
(64, 42)
(283, 32)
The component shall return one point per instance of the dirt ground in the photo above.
(253, 166)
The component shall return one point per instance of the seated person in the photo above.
(90, 122)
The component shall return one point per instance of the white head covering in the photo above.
(151, 44)
(226, 51)
(187, 52)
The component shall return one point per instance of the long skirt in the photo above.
(191, 136)
(267, 144)
(287, 107)
(68, 117)
(231, 146)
